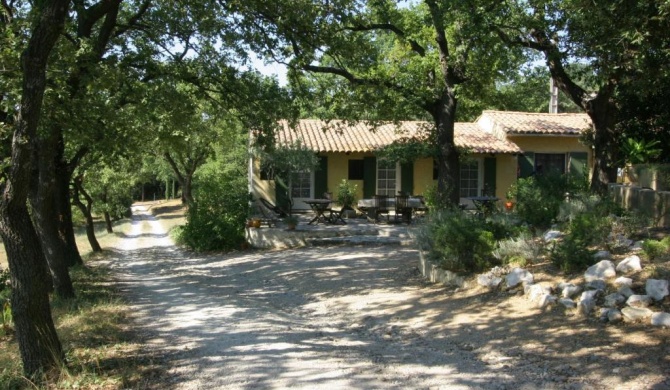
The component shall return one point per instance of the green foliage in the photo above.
(346, 193)
(539, 198)
(657, 249)
(571, 255)
(281, 162)
(5, 306)
(640, 151)
(519, 250)
(216, 219)
(458, 241)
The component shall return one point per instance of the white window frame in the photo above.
(299, 202)
(397, 180)
(480, 177)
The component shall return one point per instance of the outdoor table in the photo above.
(484, 204)
(367, 205)
(320, 207)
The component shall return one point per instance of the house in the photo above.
(501, 147)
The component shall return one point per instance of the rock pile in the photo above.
(614, 296)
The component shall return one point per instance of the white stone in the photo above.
(568, 303)
(537, 291)
(614, 300)
(614, 316)
(488, 280)
(639, 301)
(623, 281)
(518, 275)
(552, 235)
(570, 290)
(660, 319)
(636, 313)
(585, 306)
(597, 284)
(657, 288)
(602, 255)
(590, 295)
(629, 264)
(546, 300)
(601, 270)
(637, 246)
(626, 291)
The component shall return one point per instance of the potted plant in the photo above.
(346, 195)
(291, 222)
(509, 199)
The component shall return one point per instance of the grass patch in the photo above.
(101, 350)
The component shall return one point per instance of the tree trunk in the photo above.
(448, 159)
(86, 210)
(108, 222)
(35, 332)
(44, 207)
(186, 195)
(602, 112)
(63, 206)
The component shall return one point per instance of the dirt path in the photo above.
(359, 318)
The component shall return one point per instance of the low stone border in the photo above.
(435, 274)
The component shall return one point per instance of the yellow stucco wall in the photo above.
(506, 166)
(550, 144)
(338, 169)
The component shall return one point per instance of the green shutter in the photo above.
(369, 177)
(526, 164)
(489, 176)
(407, 178)
(281, 195)
(321, 177)
(578, 163)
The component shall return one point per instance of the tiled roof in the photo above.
(517, 123)
(344, 136)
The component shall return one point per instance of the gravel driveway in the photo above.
(358, 318)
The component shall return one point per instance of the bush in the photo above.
(655, 249)
(539, 198)
(216, 220)
(459, 242)
(571, 255)
(519, 250)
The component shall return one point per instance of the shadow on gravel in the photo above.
(296, 318)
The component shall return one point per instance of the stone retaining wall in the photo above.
(435, 274)
(656, 204)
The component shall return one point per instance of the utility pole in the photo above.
(553, 99)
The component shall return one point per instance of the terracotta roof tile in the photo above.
(510, 122)
(344, 136)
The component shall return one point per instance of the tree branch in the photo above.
(420, 50)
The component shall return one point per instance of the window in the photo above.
(355, 169)
(549, 162)
(469, 178)
(386, 178)
(301, 185)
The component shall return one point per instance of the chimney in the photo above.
(553, 99)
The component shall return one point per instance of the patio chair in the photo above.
(278, 211)
(403, 211)
(270, 215)
(381, 206)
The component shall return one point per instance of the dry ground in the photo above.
(359, 317)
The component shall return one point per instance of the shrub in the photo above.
(216, 219)
(655, 249)
(538, 198)
(346, 194)
(459, 242)
(519, 250)
(571, 255)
